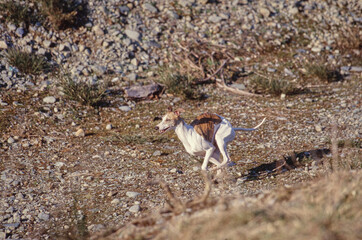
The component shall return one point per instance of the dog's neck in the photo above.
(184, 132)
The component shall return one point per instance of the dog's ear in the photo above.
(169, 108)
(179, 110)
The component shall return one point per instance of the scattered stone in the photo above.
(135, 208)
(79, 133)
(47, 43)
(282, 96)
(11, 140)
(98, 30)
(49, 99)
(264, 12)
(43, 216)
(143, 92)
(109, 126)
(20, 32)
(124, 108)
(132, 77)
(134, 35)
(157, 153)
(3, 45)
(150, 7)
(355, 69)
(132, 194)
(115, 201)
(215, 19)
(318, 128)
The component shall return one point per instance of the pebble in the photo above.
(43, 216)
(132, 194)
(134, 35)
(98, 30)
(20, 32)
(135, 208)
(150, 7)
(157, 153)
(318, 128)
(11, 140)
(79, 133)
(264, 12)
(124, 108)
(115, 201)
(49, 99)
(109, 126)
(3, 44)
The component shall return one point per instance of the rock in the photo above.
(47, 43)
(109, 126)
(157, 153)
(2, 235)
(135, 208)
(132, 194)
(282, 96)
(49, 99)
(272, 70)
(124, 10)
(215, 19)
(124, 108)
(150, 7)
(355, 69)
(134, 35)
(3, 45)
(132, 77)
(143, 92)
(98, 30)
(79, 133)
(264, 12)
(293, 10)
(11, 140)
(318, 128)
(20, 32)
(288, 72)
(115, 201)
(238, 86)
(59, 164)
(43, 216)
(172, 14)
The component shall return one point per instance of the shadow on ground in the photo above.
(290, 162)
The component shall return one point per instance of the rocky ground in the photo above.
(67, 170)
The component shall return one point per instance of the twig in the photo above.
(221, 84)
(216, 72)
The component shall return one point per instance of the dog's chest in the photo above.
(205, 124)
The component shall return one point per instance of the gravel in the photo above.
(52, 174)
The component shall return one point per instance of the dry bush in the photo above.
(272, 86)
(27, 63)
(178, 83)
(84, 93)
(62, 14)
(324, 73)
(16, 13)
(329, 209)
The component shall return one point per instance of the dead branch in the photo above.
(221, 84)
(205, 195)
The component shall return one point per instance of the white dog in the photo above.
(207, 136)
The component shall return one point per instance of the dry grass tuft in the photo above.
(272, 86)
(62, 14)
(16, 13)
(324, 73)
(178, 83)
(84, 93)
(27, 63)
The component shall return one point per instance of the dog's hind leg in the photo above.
(207, 157)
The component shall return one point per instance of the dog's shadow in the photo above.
(289, 162)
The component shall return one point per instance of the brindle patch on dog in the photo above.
(205, 124)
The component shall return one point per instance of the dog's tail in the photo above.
(250, 129)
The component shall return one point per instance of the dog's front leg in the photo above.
(208, 154)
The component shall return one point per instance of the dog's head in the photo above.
(169, 121)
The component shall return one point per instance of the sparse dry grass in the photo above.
(84, 93)
(324, 73)
(272, 85)
(27, 63)
(62, 14)
(16, 13)
(178, 83)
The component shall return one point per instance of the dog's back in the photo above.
(205, 124)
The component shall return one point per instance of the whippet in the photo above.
(207, 136)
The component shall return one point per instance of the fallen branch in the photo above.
(221, 84)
